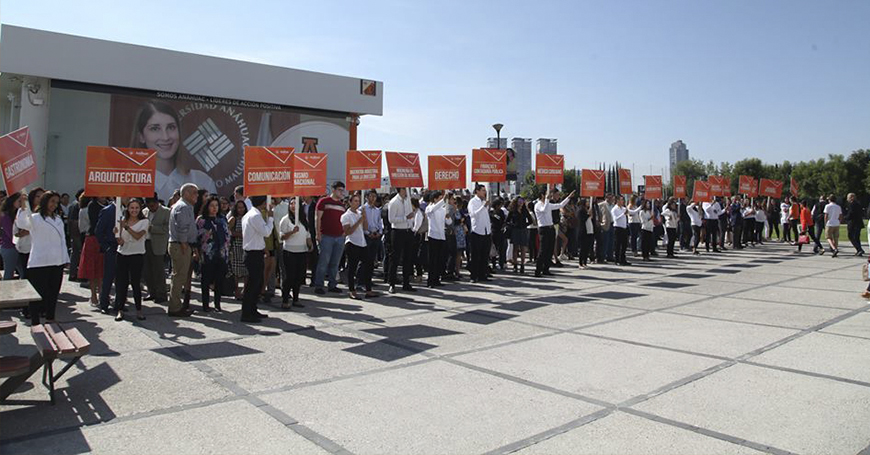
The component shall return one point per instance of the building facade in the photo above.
(678, 152)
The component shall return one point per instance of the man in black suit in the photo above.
(854, 222)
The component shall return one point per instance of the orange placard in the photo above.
(404, 169)
(363, 169)
(268, 171)
(625, 181)
(309, 174)
(715, 182)
(795, 189)
(701, 192)
(653, 186)
(770, 188)
(679, 186)
(747, 186)
(119, 172)
(446, 172)
(726, 186)
(489, 165)
(549, 169)
(592, 183)
(18, 162)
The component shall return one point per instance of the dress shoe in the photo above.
(261, 315)
(392, 289)
(180, 314)
(408, 289)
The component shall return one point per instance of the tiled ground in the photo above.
(742, 352)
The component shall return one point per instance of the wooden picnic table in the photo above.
(16, 294)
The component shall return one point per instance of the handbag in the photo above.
(803, 239)
(865, 271)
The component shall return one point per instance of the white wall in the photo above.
(36, 117)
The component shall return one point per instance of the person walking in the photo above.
(695, 219)
(133, 228)
(854, 218)
(833, 219)
(182, 238)
(213, 238)
(255, 228)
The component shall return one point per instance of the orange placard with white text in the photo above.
(795, 189)
(726, 186)
(625, 181)
(715, 182)
(363, 169)
(268, 171)
(679, 186)
(591, 183)
(18, 162)
(489, 165)
(653, 186)
(747, 186)
(119, 172)
(770, 188)
(701, 192)
(309, 174)
(549, 169)
(404, 169)
(446, 172)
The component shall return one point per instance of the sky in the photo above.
(611, 80)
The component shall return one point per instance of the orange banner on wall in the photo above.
(309, 174)
(747, 186)
(653, 186)
(489, 165)
(119, 172)
(770, 188)
(701, 192)
(404, 169)
(592, 183)
(447, 172)
(625, 181)
(363, 169)
(268, 171)
(549, 169)
(679, 186)
(18, 161)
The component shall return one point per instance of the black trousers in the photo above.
(367, 265)
(213, 271)
(672, 238)
(437, 258)
(759, 231)
(480, 245)
(647, 243)
(548, 243)
(749, 230)
(129, 274)
(712, 233)
(355, 255)
(786, 233)
(737, 234)
(854, 232)
(696, 236)
(402, 244)
(450, 256)
(794, 228)
(254, 262)
(294, 274)
(621, 244)
(585, 247)
(533, 243)
(46, 281)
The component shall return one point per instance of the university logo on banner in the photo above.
(489, 165)
(701, 192)
(592, 183)
(18, 162)
(653, 186)
(549, 169)
(747, 186)
(309, 174)
(119, 172)
(715, 182)
(625, 181)
(268, 171)
(795, 190)
(363, 169)
(770, 188)
(446, 172)
(679, 186)
(404, 169)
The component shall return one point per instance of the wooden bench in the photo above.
(54, 342)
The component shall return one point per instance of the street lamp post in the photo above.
(498, 127)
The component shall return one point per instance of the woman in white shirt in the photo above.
(131, 257)
(297, 243)
(646, 229)
(748, 223)
(760, 222)
(696, 220)
(672, 219)
(21, 229)
(355, 243)
(48, 256)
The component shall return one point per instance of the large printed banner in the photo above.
(747, 186)
(795, 189)
(653, 186)
(489, 165)
(592, 183)
(363, 169)
(770, 188)
(702, 192)
(446, 172)
(679, 186)
(18, 162)
(268, 171)
(625, 181)
(715, 182)
(119, 172)
(404, 169)
(549, 169)
(309, 174)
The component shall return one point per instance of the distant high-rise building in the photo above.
(491, 143)
(679, 152)
(547, 146)
(523, 149)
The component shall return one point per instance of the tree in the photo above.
(693, 170)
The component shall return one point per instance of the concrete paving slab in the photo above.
(834, 355)
(819, 296)
(743, 310)
(858, 325)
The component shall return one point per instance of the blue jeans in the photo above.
(10, 262)
(110, 261)
(331, 249)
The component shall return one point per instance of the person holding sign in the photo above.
(401, 215)
(131, 258)
(481, 234)
(255, 229)
(353, 221)
(436, 212)
(711, 223)
(48, 256)
(544, 213)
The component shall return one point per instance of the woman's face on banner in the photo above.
(161, 134)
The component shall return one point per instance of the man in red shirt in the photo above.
(330, 237)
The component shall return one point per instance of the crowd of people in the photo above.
(250, 248)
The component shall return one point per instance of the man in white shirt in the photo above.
(436, 212)
(696, 221)
(481, 234)
(620, 215)
(373, 230)
(401, 216)
(711, 223)
(254, 232)
(833, 217)
(544, 214)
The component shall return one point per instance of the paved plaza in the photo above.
(761, 350)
